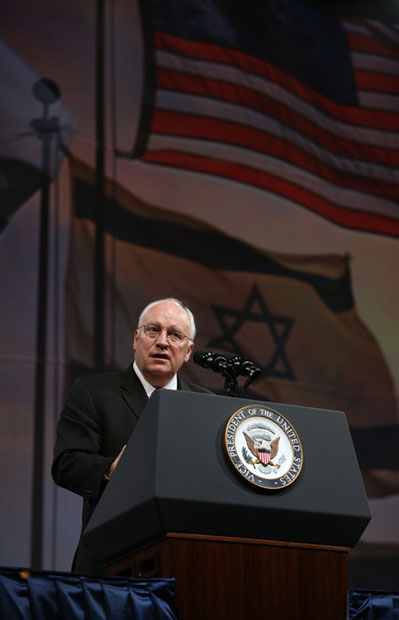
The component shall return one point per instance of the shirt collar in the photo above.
(149, 389)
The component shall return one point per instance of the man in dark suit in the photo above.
(102, 410)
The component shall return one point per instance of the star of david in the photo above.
(232, 321)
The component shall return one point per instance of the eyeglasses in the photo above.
(154, 331)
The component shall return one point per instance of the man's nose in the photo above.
(163, 338)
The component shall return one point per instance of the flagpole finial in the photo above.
(46, 91)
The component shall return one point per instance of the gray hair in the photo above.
(178, 302)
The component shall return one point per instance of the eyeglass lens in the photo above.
(154, 331)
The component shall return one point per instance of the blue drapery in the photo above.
(30, 595)
(373, 605)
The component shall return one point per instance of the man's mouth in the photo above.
(160, 356)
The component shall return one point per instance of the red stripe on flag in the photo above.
(252, 65)
(190, 126)
(350, 218)
(370, 45)
(377, 82)
(223, 91)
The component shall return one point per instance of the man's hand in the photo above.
(114, 463)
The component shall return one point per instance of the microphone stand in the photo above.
(230, 371)
(230, 383)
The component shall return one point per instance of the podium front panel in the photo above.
(174, 476)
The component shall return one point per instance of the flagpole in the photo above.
(47, 128)
(99, 288)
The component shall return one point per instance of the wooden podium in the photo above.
(175, 507)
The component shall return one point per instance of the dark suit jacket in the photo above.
(99, 416)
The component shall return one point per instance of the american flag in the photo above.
(278, 96)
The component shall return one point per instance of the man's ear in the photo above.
(135, 338)
(190, 348)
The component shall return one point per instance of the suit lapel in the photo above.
(182, 385)
(133, 392)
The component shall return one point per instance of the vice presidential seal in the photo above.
(264, 447)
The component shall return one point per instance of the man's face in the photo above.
(158, 359)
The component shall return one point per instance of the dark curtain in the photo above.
(29, 595)
(373, 605)
(51, 596)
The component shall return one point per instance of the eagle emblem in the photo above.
(263, 448)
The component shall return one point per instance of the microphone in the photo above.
(215, 361)
(248, 369)
(223, 362)
(230, 366)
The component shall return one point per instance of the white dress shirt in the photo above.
(149, 389)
